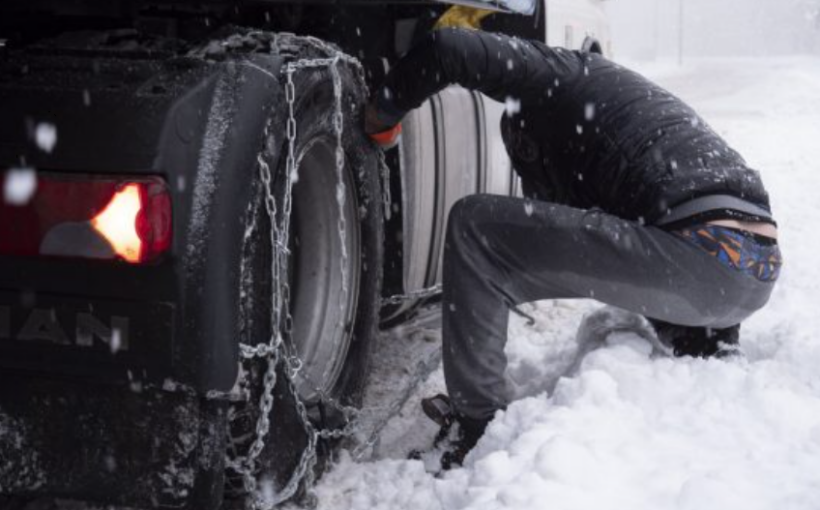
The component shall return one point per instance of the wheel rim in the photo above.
(323, 313)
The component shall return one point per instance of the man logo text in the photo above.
(43, 325)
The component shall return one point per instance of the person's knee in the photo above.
(466, 213)
(466, 207)
(463, 233)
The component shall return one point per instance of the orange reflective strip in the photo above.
(387, 137)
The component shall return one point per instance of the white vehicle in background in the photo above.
(181, 319)
(578, 24)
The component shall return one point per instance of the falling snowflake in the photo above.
(20, 185)
(46, 136)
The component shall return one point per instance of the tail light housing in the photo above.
(84, 216)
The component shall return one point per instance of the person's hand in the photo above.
(383, 135)
(372, 124)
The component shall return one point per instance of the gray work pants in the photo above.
(503, 251)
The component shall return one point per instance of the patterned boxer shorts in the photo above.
(738, 250)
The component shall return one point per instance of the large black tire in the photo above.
(333, 330)
(315, 273)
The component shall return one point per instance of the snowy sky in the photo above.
(643, 29)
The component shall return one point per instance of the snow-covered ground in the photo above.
(625, 429)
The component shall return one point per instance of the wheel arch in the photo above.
(245, 98)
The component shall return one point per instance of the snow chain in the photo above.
(413, 295)
(276, 350)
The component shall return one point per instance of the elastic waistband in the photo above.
(711, 202)
(736, 249)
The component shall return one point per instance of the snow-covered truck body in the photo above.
(125, 373)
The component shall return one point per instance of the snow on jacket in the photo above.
(589, 133)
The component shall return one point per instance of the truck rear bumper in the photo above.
(121, 445)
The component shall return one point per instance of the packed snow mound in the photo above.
(604, 419)
(628, 431)
(633, 432)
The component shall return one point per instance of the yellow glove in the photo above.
(461, 16)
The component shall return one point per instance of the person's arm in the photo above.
(497, 65)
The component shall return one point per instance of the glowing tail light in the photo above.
(110, 218)
(118, 223)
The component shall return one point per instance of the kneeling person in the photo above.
(631, 199)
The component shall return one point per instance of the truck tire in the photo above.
(333, 322)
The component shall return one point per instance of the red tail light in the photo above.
(110, 218)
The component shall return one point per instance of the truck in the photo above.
(198, 243)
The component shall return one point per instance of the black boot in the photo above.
(469, 432)
(699, 342)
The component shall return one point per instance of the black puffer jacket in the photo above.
(589, 133)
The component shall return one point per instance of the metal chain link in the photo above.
(278, 351)
(422, 372)
(386, 194)
(275, 351)
(413, 295)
